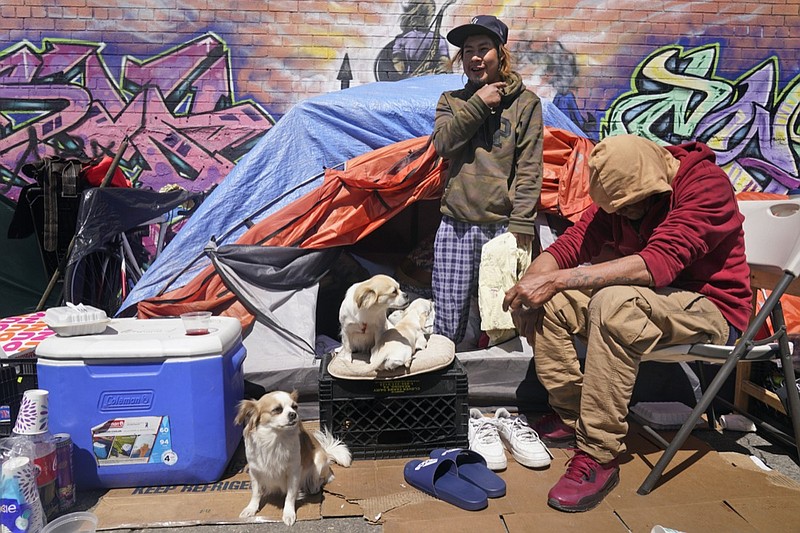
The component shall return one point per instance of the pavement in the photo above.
(773, 454)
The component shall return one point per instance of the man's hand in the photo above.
(528, 323)
(535, 287)
(532, 291)
(492, 93)
(525, 301)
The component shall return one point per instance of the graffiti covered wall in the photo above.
(177, 109)
(751, 122)
(193, 87)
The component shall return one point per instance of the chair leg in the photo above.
(711, 414)
(789, 378)
(687, 427)
(771, 304)
(794, 405)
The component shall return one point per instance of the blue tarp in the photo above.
(290, 159)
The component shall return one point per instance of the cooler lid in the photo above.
(130, 338)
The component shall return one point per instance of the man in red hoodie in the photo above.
(666, 222)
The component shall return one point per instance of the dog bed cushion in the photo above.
(439, 353)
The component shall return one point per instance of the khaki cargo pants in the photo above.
(619, 325)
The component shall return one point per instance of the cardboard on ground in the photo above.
(701, 490)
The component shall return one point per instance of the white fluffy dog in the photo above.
(282, 456)
(397, 345)
(362, 314)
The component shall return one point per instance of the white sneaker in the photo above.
(521, 440)
(483, 438)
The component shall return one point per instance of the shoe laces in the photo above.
(522, 431)
(486, 432)
(580, 467)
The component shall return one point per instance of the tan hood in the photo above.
(626, 169)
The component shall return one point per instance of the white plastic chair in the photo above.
(772, 241)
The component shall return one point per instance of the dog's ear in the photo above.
(247, 409)
(294, 395)
(365, 296)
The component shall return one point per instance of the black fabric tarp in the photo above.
(105, 212)
(22, 273)
(278, 285)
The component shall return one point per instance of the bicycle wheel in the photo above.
(100, 279)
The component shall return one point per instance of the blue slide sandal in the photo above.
(439, 478)
(472, 467)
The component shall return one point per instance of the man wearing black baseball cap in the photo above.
(480, 25)
(491, 132)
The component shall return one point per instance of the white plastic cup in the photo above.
(21, 469)
(196, 322)
(32, 418)
(81, 522)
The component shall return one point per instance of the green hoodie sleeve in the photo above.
(527, 183)
(452, 130)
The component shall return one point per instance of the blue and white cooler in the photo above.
(145, 403)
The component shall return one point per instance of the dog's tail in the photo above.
(335, 449)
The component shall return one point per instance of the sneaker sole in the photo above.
(496, 466)
(493, 465)
(531, 463)
(589, 502)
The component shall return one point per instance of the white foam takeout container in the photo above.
(79, 319)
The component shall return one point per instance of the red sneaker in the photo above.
(552, 429)
(584, 485)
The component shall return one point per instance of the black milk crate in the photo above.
(16, 376)
(405, 417)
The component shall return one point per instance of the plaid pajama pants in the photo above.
(456, 258)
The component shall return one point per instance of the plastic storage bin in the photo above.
(145, 403)
(406, 417)
(16, 376)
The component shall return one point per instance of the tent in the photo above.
(353, 202)
(271, 261)
(289, 161)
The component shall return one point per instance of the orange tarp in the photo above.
(351, 203)
(565, 184)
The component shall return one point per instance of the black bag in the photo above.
(49, 207)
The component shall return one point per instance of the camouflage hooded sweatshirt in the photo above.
(495, 173)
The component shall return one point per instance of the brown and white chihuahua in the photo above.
(282, 456)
